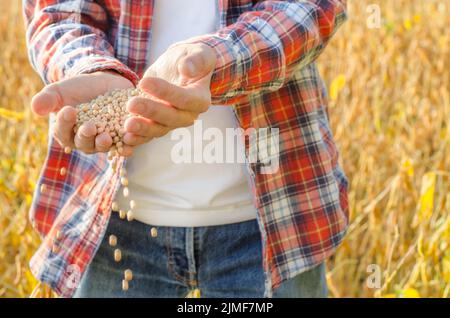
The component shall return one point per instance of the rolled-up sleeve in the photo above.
(266, 45)
(67, 37)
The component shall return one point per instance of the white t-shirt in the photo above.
(188, 194)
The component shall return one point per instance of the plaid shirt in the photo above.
(265, 70)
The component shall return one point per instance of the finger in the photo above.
(135, 140)
(103, 142)
(160, 112)
(198, 63)
(48, 100)
(85, 137)
(184, 98)
(65, 121)
(144, 127)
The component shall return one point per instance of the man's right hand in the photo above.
(61, 97)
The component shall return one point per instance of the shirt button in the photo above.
(154, 232)
(62, 171)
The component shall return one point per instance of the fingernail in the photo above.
(136, 127)
(150, 85)
(140, 107)
(86, 132)
(67, 116)
(147, 84)
(134, 106)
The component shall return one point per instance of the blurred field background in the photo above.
(390, 111)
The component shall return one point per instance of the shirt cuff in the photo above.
(224, 86)
(91, 64)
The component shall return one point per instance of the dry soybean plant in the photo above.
(389, 109)
(108, 113)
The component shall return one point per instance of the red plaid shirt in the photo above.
(265, 69)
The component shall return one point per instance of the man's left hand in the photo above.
(179, 87)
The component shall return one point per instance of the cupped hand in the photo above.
(61, 97)
(178, 85)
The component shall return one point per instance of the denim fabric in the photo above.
(222, 261)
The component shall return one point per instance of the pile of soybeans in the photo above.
(108, 112)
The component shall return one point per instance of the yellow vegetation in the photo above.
(390, 111)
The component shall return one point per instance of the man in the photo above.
(228, 229)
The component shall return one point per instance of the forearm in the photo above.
(267, 45)
(67, 39)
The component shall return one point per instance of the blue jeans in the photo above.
(222, 261)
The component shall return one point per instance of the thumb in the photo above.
(197, 64)
(47, 101)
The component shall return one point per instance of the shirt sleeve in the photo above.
(266, 45)
(67, 38)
